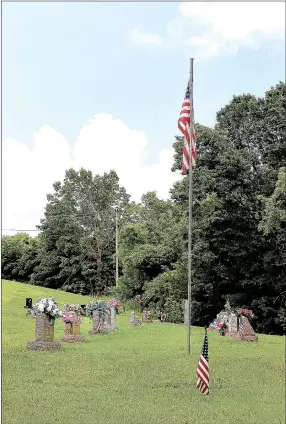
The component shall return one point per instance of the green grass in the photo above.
(139, 375)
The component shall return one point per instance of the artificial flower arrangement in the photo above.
(48, 306)
(138, 298)
(245, 312)
(67, 318)
(113, 303)
(73, 307)
(94, 305)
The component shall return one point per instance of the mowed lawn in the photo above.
(140, 375)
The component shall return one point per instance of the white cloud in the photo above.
(209, 29)
(104, 143)
(228, 26)
(137, 36)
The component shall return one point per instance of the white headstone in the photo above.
(232, 324)
(132, 318)
(113, 318)
(108, 318)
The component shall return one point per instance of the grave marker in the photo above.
(29, 303)
(113, 318)
(98, 323)
(45, 310)
(72, 329)
(133, 320)
(44, 333)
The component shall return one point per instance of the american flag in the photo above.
(184, 126)
(203, 382)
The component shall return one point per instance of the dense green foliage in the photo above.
(239, 226)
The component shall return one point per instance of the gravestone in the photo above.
(133, 319)
(145, 316)
(72, 330)
(98, 323)
(29, 303)
(113, 318)
(245, 331)
(44, 333)
(149, 317)
(107, 319)
(232, 324)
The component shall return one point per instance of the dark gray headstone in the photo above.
(29, 303)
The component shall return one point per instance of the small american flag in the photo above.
(184, 126)
(203, 382)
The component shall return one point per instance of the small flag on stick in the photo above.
(203, 382)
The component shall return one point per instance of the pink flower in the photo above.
(113, 303)
(67, 318)
(137, 297)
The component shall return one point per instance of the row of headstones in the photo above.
(146, 318)
(44, 330)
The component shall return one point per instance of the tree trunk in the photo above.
(99, 271)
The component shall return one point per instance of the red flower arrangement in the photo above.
(247, 312)
(138, 297)
(113, 303)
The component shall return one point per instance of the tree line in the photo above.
(239, 226)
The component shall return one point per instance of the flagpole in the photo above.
(190, 209)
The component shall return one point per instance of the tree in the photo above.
(19, 256)
(150, 244)
(238, 160)
(273, 279)
(78, 232)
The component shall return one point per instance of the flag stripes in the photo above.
(203, 368)
(184, 126)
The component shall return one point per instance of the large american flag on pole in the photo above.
(187, 113)
(203, 382)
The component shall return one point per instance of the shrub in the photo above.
(173, 311)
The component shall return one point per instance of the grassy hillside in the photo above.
(134, 375)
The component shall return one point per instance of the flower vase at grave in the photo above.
(72, 329)
(44, 333)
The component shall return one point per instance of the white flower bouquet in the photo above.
(73, 307)
(48, 306)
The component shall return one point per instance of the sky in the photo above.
(100, 86)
